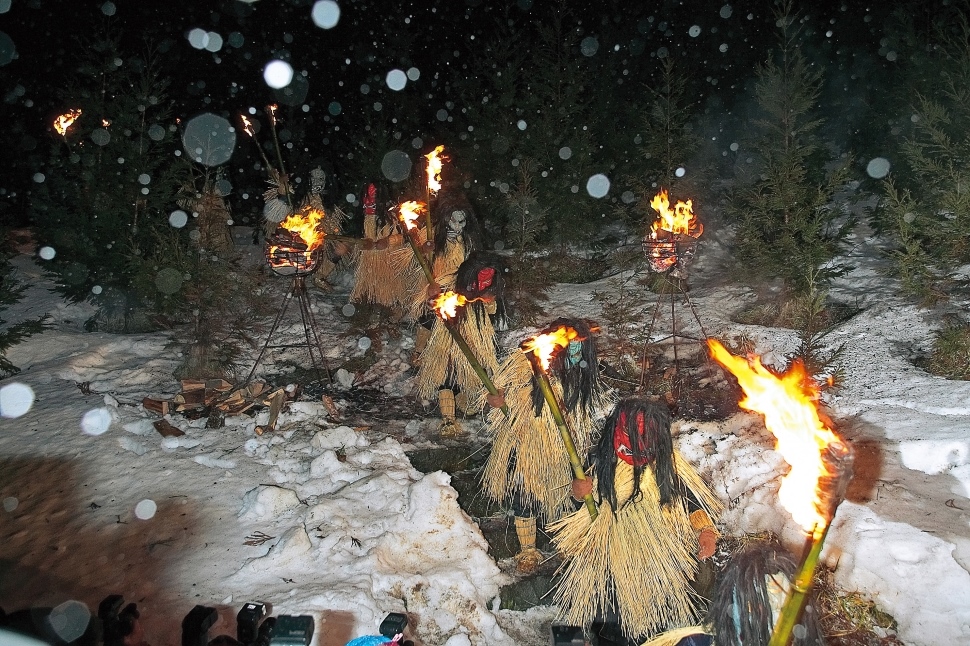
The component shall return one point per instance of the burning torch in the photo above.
(409, 213)
(446, 305)
(64, 122)
(540, 351)
(435, 162)
(821, 463)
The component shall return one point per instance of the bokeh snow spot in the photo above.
(878, 167)
(598, 185)
(209, 139)
(396, 166)
(325, 14)
(178, 218)
(69, 620)
(278, 74)
(15, 400)
(396, 80)
(96, 421)
(168, 280)
(145, 509)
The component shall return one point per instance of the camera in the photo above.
(253, 628)
(564, 635)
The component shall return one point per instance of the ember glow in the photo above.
(435, 162)
(63, 122)
(789, 405)
(546, 345)
(447, 303)
(679, 220)
(410, 211)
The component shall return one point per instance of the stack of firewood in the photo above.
(217, 398)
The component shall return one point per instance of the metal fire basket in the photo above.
(670, 257)
(291, 261)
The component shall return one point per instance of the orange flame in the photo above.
(680, 219)
(789, 405)
(447, 303)
(410, 212)
(306, 224)
(63, 122)
(546, 345)
(435, 162)
(247, 126)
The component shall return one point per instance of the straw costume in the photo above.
(213, 215)
(636, 560)
(528, 466)
(378, 277)
(444, 370)
(747, 600)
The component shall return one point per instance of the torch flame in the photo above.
(63, 122)
(306, 224)
(447, 303)
(789, 406)
(680, 219)
(247, 126)
(410, 212)
(435, 161)
(546, 345)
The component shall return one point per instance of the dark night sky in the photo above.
(444, 39)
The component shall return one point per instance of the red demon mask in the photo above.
(622, 442)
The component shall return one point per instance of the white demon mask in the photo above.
(456, 223)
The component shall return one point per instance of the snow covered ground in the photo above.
(324, 519)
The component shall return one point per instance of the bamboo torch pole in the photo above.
(838, 458)
(472, 360)
(567, 438)
(455, 334)
(414, 209)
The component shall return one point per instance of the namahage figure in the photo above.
(528, 467)
(444, 369)
(456, 235)
(633, 565)
(378, 277)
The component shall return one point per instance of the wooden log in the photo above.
(275, 402)
(220, 385)
(192, 384)
(167, 430)
(157, 406)
(190, 397)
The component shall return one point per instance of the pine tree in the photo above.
(925, 210)
(110, 179)
(666, 143)
(787, 225)
(528, 103)
(11, 291)
(526, 217)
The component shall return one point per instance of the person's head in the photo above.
(454, 219)
(636, 432)
(575, 365)
(749, 595)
